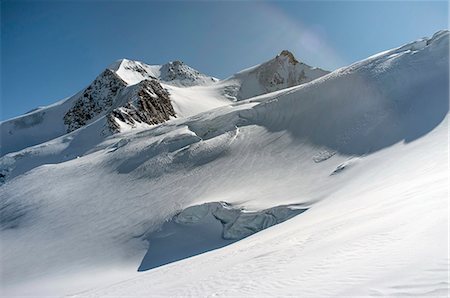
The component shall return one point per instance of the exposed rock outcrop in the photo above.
(95, 99)
(147, 103)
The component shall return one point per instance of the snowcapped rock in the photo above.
(281, 72)
(133, 72)
(180, 74)
(124, 104)
(174, 73)
(146, 103)
(96, 99)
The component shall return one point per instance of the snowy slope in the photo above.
(364, 149)
(33, 128)
(367, 238)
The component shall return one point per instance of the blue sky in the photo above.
(51, 50)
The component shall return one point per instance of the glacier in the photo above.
(360, 154)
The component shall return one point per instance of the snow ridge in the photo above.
(174, 73)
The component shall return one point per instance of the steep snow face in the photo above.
(174, 73)
(364, 149)
(279, 73)
(190, 101)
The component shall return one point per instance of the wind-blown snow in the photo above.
(364, 149)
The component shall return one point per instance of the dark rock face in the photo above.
(149, 104)
(146, 102)
(96, 98)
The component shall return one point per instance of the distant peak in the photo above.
(176, 62)
(289, 55)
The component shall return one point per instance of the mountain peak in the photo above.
(180, 74)
(281, 72)
(174, 72)
(115, 66)
(289, 55)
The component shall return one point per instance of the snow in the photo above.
(47, 123)
(194, 100)
(281, 72)
(201, 228)
(191, 93)
(174, 73)
(369, 238)
(33, 128)
(364, 149)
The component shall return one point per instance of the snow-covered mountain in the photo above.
(115, 89)
(335, 187)
(186, 92)
(174, 73)
(281, 72)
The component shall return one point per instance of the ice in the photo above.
(201, 228)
